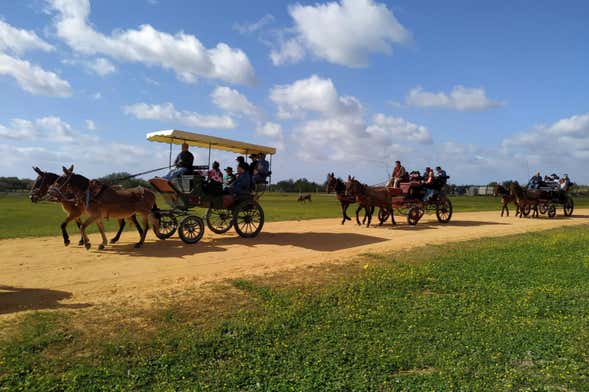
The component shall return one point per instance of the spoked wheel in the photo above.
(569, 206)
(444, 210)
(383, 215)
(543, 208)
(248, 219)
(166, 227)
(219, 220)
(414, 215)
(191, 229)
(526, 210)
(551, 209)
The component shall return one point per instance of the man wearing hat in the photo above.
(241, 160)
(253, 163)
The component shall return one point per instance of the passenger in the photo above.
(399, 173)
(215, 185)
(565, 183)
(262, 169)
(240, 160)
(428, 182)
(183, 163)
(441, 173)
(242, 185)
(253, 164)
(215, 173)
(228, 177)
(535, 181)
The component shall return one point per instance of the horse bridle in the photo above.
(58, 190)
(36, 188)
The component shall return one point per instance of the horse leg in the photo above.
(79, 224)
(116, 238)
(369, 212)
(101, 228)
(344, 212)
(86, 223)
(145, 229)
(137, 225)
(358, 215)
(393, 216)
(66, 237)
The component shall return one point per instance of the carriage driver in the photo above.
(183, 163)
(399, 173)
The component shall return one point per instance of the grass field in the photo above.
(500, 314)
(21, 218)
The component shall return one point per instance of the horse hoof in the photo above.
(101, 247)
(66, 242)
(87, 245)
(114, 240)
(138, 245)
(81, 242)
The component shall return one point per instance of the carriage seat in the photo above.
(406, 186)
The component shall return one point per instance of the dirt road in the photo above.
(38, 273)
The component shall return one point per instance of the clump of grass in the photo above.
(508, 313)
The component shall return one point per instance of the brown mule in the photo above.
(73, 209)
(523, 201)
(339, 187)
(506, 198)
(370, 197)
(103, 201)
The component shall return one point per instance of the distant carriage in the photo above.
(547, 199)
(192, 190)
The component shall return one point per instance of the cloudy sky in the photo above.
(489, 90)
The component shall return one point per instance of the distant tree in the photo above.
(295, 186)
(15, 184)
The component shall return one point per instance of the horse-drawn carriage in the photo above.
(411, 198)
(546, 199)
(192, 190)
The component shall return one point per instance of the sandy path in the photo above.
(42, 273)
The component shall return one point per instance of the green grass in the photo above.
(500, 314)
(21, 218)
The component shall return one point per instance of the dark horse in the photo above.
(103, 201)
(524, 202)
(370, 197)
(304, 198)
(506, 198)
(73, 209)
(339, 187)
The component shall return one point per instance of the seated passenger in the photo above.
(535, 181)
(215, 179)
(428, 182)
(242, 185)
(262, 169)
(183, 163)
(228, 177)
(399, 173)
(240, 160)
(565, 183)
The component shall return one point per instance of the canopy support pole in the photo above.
(170, 160)
(270, 176)
(209, 156)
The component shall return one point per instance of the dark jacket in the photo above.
(184, 159)
(243, 184)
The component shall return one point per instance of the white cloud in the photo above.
(32, 78)
(248, 28)
(312, 94)
(270, 129)
(90, 125)
(183, 53)
(102, 66)
(19, 40)
(233, 101)
(50, 128)
(167, 113)
(396, 128)
(460, 98)
(344, 32)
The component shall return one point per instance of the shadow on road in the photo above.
(18, 299)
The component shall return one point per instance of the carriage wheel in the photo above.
(219, 220)
(166, 227)
(383, 215)
(414, 215)
(568, 207)
(248, 219)
(191, 229)
(444, 210)
(551, 209)
(543, 208)
(526, 210)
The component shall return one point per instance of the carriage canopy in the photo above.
(174, 136)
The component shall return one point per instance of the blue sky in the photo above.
(489, 90)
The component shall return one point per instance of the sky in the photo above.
(490, 91)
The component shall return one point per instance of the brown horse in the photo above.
(339, 187)
(370, 197)
(103, 201)
(304, 198)
(506, 198)
(74, 210)
(523, 200)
